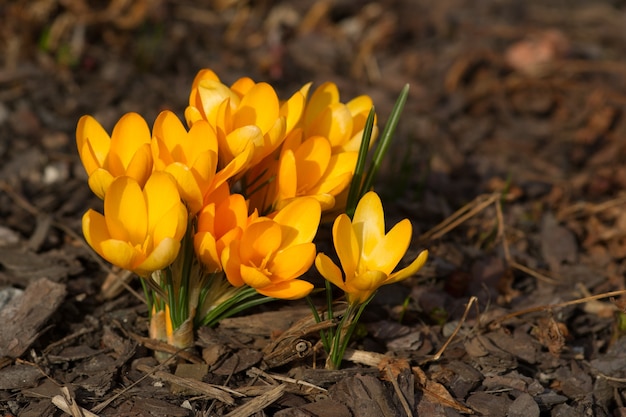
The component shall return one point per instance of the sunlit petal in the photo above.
(415, 266)
(129, 134)
(300, 220)
(390, 249)
(258, 107)
(259, 239)
(292, 262)
(161, 194)
(93, 143)
(95, 230)
(242, 86)
(140, 164)
(292, 110)
(346, 245)
(99, 182)
(323, 96)
(231, 262)
(287, 290)
(363, 286)
(253, 277)
(125, 211)
(206, 249)
(162, 255)
(121, 253)
(327, 268)
(369, 222)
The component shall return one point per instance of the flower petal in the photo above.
(346, 245)
(300, 220)
(160, 257)
(415, 266)
(129, 134)
(390, 249)
(95, 230)
(287, 290)
(93, 143)
(125, 211)
(253, 277)
(260, 238)
(258, 107)
(292, 262)
(362, 287)
(369, 222)
(231, 262)
(121, 254)
(323, 96)
(327, 268)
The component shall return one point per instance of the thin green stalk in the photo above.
(324, 336)
(148, 294)
(385, 139)
(355, 192)
(185, 271)
(171, 297)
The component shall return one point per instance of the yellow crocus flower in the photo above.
(368, 255)
(273, 252)
(219, 223)
(343, 124)
(125, 152)
(308, 168)
(142, 227)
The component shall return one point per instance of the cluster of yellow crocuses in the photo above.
(238, 193)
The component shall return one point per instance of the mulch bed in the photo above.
(509, 161)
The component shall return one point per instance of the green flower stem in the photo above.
(240, 301)
(385, 139)
(325, 336)
(355, 192)
(185, 272)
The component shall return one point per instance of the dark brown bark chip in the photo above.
(488, 404)
(365, 396)
(19, 376)
(24, 316)
(523, 406)
(322, 408)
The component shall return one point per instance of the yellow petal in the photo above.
(125, 211)
(287, 290)
(169, 131)
(300, 220)
(99, 182)
(129, 134)
(140, 165)
(193, 115)
(415, 266)
(390, 249)
(93, 143)
(292, 262)
(162, 255)
(331, 272)
(239, 139)
(188, 186)
(230, 213)
(346, 245)
(338, 174)
(211, 94)
(242, 86)
(203, 74)
(363, 286)
(95, 230)
(323, 96)
(292, 110)
(287, 179)
(206, 249)
(312, 158)
(253, 277)
(231, 262)
(260, 238)
(258, 107)
(121, 254)
(359, 109)
(369, 222)
(161, 194)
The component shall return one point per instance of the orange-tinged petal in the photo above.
(292, 110)
(239, 139)
(234, 167)
(292, 262)
(415, 266)
(121, 253)
(327, 268)
(193, 115)
(323, 96)
(230, 213)
(258, 107)
(99, 182)
(95, 230)
(204, 74)
(140, 164)
(346, 245)
(206, 249)
(93, 143)
(129, 134)
(259, 239)
(287, 179)
(161, 194)
(160, 257)
(253, 277)
(362, 287)
(125, 211)
(390, 249)
(300, 220)
(312, 158)
(242, 86)
(287, 290)
(369, 222)
(210, 95)
(171, 225)
(188, 186)
(231, 262)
